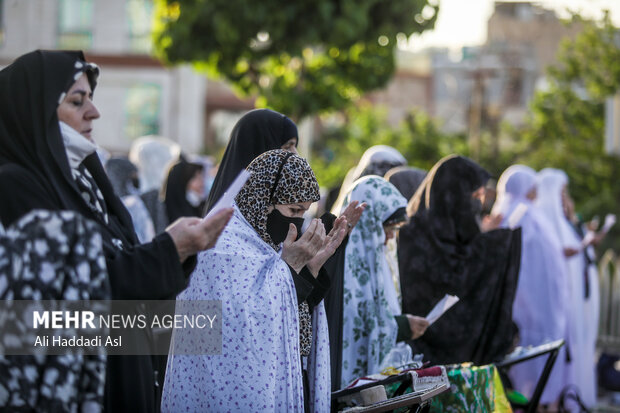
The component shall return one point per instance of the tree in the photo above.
(299, 57)
(418, 138)
(565, 128)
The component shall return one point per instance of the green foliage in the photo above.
(418, 138)
(299, 57)
(567, 122)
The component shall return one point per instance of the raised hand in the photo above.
(331, 243)
(298, 253)
(491, 222)
(353, 213)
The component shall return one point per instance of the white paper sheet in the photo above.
(610, 220)
(517, 215)
(587, 239)
(441, 307)
(226, 201)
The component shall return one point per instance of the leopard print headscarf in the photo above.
(278, 177)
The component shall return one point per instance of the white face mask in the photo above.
(77, 147)
(193, 197)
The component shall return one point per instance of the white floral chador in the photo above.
(259, 368)
(370, 300)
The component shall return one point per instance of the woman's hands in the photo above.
(298, 253)
(192, 235)
(490, 222)
(352, 213)
(314, 247)
(331, 242)
(418, 325)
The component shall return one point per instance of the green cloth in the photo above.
(473, 389)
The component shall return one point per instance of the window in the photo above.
(140, 19)
(75, 24)
(142, 106)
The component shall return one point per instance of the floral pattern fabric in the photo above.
(369, 328)
(259, 368)
(52, 256)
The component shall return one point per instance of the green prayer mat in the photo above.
(473, 389)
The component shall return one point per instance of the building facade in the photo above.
(480, 87)
(135, 95)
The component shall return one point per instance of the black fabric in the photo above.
(278, 225)
(258, 131)
(333, 309)
(588, 261)
(303, 286)
(406, 179)
(35, 174)
(400, 215)
(320, 286)
(175, 191)
(442, 251)
(310, 289)
(404, 329)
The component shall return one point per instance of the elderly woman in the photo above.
(540, 309)
(251, 271)
(48, 161)
(445, 250)
(365, 320)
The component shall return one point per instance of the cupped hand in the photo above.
(331, 242)
(298, 253)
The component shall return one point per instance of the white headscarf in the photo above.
(512, 189)
(551, 182)
(584, 311)
(375, 155)
(153, 156)
(540, 308)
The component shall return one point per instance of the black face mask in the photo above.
(277, 226)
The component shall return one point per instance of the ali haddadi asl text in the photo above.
(77, 341)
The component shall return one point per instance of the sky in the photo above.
(464, 22)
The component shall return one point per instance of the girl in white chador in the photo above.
(583, 281)
(540, 308)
